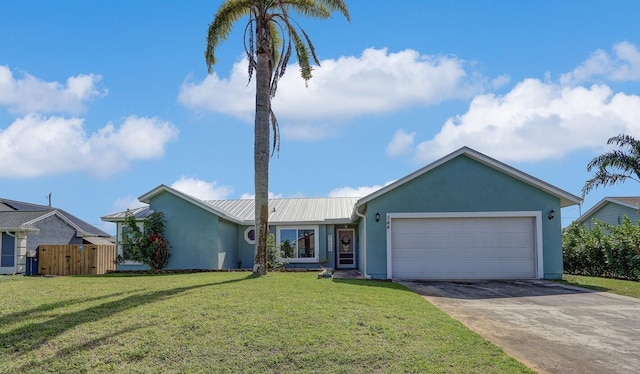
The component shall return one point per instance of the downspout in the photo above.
(364, 243)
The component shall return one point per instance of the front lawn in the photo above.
(618, 286)
(234, 323)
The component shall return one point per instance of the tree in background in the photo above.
(615, 166)
(270, 35)
(148, 245)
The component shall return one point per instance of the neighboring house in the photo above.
(612, 210)
(25, 226)
(464, 216)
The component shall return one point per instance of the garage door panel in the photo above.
(463, 248)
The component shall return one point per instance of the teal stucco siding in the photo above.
(464, 185)
(194, 233)
(228, 233)
(246, 250)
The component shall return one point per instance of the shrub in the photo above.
(274, 261)
(605, 251)
(148, 245)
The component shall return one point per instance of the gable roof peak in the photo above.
(566, 198)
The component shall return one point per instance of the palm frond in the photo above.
(250, 50)
(615, 166)
(602, 179)
(276, 132)
(228, 13)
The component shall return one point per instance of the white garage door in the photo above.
(463, 248)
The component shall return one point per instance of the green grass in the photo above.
(232, 323)
(618, 286)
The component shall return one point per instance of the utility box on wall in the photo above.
(32, 262)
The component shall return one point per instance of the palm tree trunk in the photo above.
(261, 153)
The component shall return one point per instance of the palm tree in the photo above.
(270, 34)
(626, 160)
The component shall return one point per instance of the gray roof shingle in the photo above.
(17, 213)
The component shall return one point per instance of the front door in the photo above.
(345, 249)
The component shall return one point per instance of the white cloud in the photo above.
(356, 191)
(500, 81)
(201, 189)
(401, 144)
(622, 65)
(30, 94)
(537, 120)
(124, 203)
(375, 82)
(36, 145)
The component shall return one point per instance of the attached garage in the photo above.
(464, 216)
(493, 245)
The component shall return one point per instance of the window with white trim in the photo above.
(298, 243)
(250, 235)
(123, 231)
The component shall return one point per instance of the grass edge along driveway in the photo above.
(232, 322)
(617, 286)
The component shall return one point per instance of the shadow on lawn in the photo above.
(88, 345)
(34, 312)
(34, 335)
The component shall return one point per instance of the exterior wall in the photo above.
(330, 256)
(360, 258)
(464, 185)
(612, 214)
(53, 230)
(21, 251)
(246, 250)
(191, 231)
(228, 233)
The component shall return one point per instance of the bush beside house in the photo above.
(147, 245)
(604, 251)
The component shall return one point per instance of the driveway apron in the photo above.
(550, 327)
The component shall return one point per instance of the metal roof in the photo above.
(291, 210)
(630, 201)
(139, 213)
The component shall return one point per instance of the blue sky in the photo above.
(102, 101)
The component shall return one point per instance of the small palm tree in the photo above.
(270, 35)
(626, 162)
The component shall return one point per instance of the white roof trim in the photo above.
(22, 228)
(164, 188)
(566, 198)
(599, 205)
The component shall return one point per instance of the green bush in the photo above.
(148, 245)
(605, 251)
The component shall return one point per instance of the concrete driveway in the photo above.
(550, 327)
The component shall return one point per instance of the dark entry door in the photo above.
(345, 249)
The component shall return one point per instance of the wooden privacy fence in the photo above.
(76, 259)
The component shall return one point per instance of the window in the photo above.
(125, 231)
(298, 244)
(250, 235)
(7, 250)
